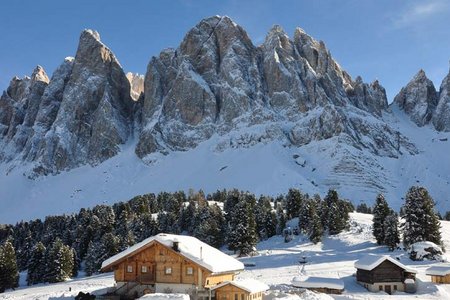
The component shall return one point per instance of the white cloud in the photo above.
(421, 12)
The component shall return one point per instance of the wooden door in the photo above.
(387, 289)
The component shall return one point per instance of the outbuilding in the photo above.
(440, 273)
(247, 289)
(319, 284)
(384, 273)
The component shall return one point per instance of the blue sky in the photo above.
(389, 40)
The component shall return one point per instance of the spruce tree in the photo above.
(243, 236)
(380, 211)
(391, 232)
(421, 222)
(294, 201)
(315, 229)
(59, 262)
(36, 265)
(9, 273)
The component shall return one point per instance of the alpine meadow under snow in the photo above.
(277, 263)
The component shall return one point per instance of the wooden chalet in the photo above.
(440, 273)
(168, 263)
(384, 273)
(248, 289)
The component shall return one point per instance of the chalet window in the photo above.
(207, 282)
(380, 287)
(189, 271)
(168, 270)
(129, 269)
(395, 287)
(144, 269)
(242, 296)
(236, 297)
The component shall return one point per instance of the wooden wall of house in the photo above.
(212, 280)
(157, 258)
(229, 292)
(440, 279)
(384, 272)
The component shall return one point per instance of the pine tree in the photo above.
(37, 262)
(281, 218)
(294, 201)
(304, 217)
(391, 232)
(380, 211)
(9, 273)
(315, 225)
(421, 222)
(59, 262)
(243, 236)
(334, 214)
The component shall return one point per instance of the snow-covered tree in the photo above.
(421, 222)
(9, 273)
(315, 230)
(59, 262)
(391, 233)
(35, 266)
(242, 235)
(380, 211)
(294, 201)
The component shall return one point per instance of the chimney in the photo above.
(201, 253)
(175, 245)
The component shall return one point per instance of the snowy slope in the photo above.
(277, 264)
(265, 168)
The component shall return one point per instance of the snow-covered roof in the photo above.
(191, 248)
(438, 270)
(318, 282)
(160, 296)
(249, 285)
(370, 262)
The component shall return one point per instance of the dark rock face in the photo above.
(441, 117)
(418, 99)
(217, 81)
(81, 116)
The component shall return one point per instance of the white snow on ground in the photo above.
(278, 263)
(263, 169)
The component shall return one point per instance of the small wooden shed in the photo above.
(440, 273)
(319, 284)
(248, 289)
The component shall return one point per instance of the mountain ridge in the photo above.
(220, 91)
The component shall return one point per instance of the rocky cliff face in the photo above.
(136, 84)
(420, 100)
(81, 116)
(216, 83)
(441, 117)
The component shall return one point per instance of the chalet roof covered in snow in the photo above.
(318, 282)
(438, 270)
(249, 285)
(191, 248)
(159, 296)
(370, 262)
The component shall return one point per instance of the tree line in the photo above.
(51, 250)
